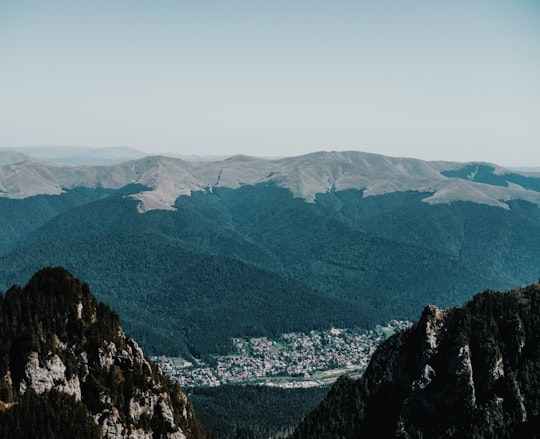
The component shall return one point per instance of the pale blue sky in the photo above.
(452, 80)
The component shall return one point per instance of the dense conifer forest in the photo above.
(256, 261)
(66, 366)
(253, 412)
(471, 372)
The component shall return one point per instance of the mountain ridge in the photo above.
(305, 176)
(77, 155)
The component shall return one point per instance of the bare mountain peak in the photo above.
(240, 158)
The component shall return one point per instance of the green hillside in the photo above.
(257, 261)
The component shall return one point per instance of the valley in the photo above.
(257, 260)
(235, 275)
(293, 360)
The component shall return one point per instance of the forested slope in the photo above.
(68, 370)
(470, 372)
(258, 261)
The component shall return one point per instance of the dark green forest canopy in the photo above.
(50, 415)
(256, 261)
(253, 412)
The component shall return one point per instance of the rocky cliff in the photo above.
(470, 372)
(61, 347)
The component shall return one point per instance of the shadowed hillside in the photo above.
(69, 371)
(465, 372)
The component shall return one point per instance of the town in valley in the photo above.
(309, 359)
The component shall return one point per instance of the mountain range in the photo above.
(166, 178)
(193, 253)
(468, 372)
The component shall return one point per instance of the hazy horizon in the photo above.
(35, 151)
(430, 80)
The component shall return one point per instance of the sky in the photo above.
(436, 80)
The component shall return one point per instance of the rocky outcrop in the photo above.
(57, 337)
(468, 372)
(51, 375)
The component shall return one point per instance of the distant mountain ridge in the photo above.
(77, 155)
(8, 156)
(470, 372)
(61, 347)
(168, 178)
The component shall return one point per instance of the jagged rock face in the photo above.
(51, 375)
(465, 372)
(57, 337)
